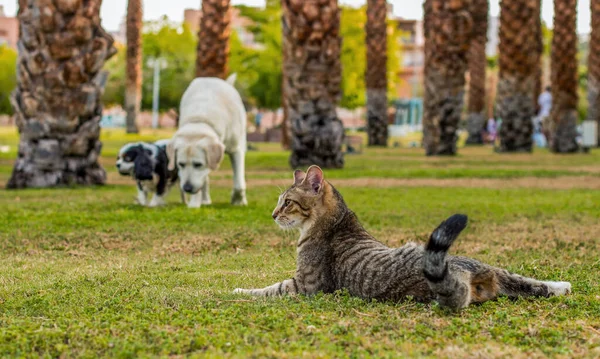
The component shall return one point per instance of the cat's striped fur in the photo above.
(336, 252)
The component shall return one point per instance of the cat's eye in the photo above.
(197, 165)
(181, 164)
(287, 203)
(127, 159)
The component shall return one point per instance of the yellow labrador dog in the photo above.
(212, 122)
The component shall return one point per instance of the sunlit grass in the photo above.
(84, 272)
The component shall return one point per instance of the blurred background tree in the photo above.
(173, 42)
(259, 68)
(8, 77)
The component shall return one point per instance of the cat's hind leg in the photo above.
(514, 285)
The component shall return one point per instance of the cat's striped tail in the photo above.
(448, 289)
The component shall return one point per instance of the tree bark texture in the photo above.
(213, 39)
(312, 88)
(133, 87)
(594, 67)
(376, 74)
(62, 49)
(564, 77)
(477, 69)
(517, 72)
(539, 51)
(448, 32)
(286, 129)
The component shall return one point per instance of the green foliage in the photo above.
(354, 57)
(114, 91)
(259, 69)
(492, 62)
(8, 77)
(394, 58)
(546, 38)
(177, 45)
(174, 43)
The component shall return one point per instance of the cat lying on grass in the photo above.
(335, 252)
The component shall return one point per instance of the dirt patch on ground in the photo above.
(561, 183)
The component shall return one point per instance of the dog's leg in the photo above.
(157, 200)
(238, 197)
(141, 195)
(182, 195)
(161, 191)
(206, 193)
(195, 200)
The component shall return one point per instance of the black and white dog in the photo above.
(148, 164)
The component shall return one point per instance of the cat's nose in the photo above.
(274, 215)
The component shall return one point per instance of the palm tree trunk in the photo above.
(376, 75)
(448, 29)
(539, 40)
(594, 67)
(286, 130)
(62, 49)
(564, 77)
(516, 86)
(133, 87)
(213, 39)
(312, 67)
(477, 66)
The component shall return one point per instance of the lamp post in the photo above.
(158, 64)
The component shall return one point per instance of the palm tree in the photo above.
(477, 66)
(539, 52)
(448, 28)
(564, 77)
(213, 39)
(376, 75)
(312, 84)
(515, 102)
(594, 67)
(62, 49)
(133, 87)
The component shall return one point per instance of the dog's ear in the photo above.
(214, 153)
(231, 79)
(170, 149)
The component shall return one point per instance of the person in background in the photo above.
(545, 103)
(491, 130)
(257, 120)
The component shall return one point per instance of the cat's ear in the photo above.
(314, 178)
(299, 176)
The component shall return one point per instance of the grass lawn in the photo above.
(84, 272)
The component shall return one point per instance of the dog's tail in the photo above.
(231, 79)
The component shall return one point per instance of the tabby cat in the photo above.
(336, 252)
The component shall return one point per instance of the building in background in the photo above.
(9, 30)
(491, 48)
(410, 84)
(239, 24)
(120, 36)
(410, 76)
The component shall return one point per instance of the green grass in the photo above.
(86, 273)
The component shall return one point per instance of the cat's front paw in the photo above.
(241, 291)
